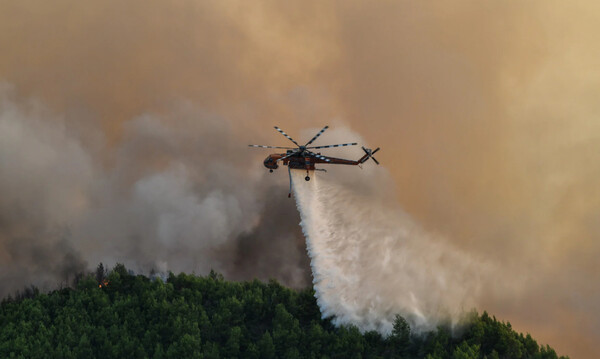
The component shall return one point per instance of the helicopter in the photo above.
(302, 158)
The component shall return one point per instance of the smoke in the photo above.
(35, 241)
(371, 261)
(486, 113)
(178, 197)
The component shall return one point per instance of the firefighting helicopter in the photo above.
(300, 157)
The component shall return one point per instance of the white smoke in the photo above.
(370, 261)
(178, 192)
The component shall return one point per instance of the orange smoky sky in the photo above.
(487, 112)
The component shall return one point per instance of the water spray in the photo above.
(370, 262)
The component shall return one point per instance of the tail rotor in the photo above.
(369, 154)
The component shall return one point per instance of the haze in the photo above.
(123, 133)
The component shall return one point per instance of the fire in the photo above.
(103, 284)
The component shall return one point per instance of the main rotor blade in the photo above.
(286, 135)
(284, 157)
(287, 148)
(319, 156)
(340, 145)
(317, 135)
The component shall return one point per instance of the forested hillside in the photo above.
(120, 315)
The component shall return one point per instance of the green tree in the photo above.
(100, 273)
(232, 347)
(192, 316)
(466, 351)
(286, 330)
(266, 346)
(400, 337)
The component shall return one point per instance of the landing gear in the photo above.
(290, 173)
(271, 171)
(307, 178)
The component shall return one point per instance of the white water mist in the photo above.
(370, 261)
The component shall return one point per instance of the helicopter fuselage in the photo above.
(297, 161)
(302, 161)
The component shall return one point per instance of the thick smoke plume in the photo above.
(179, 198)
